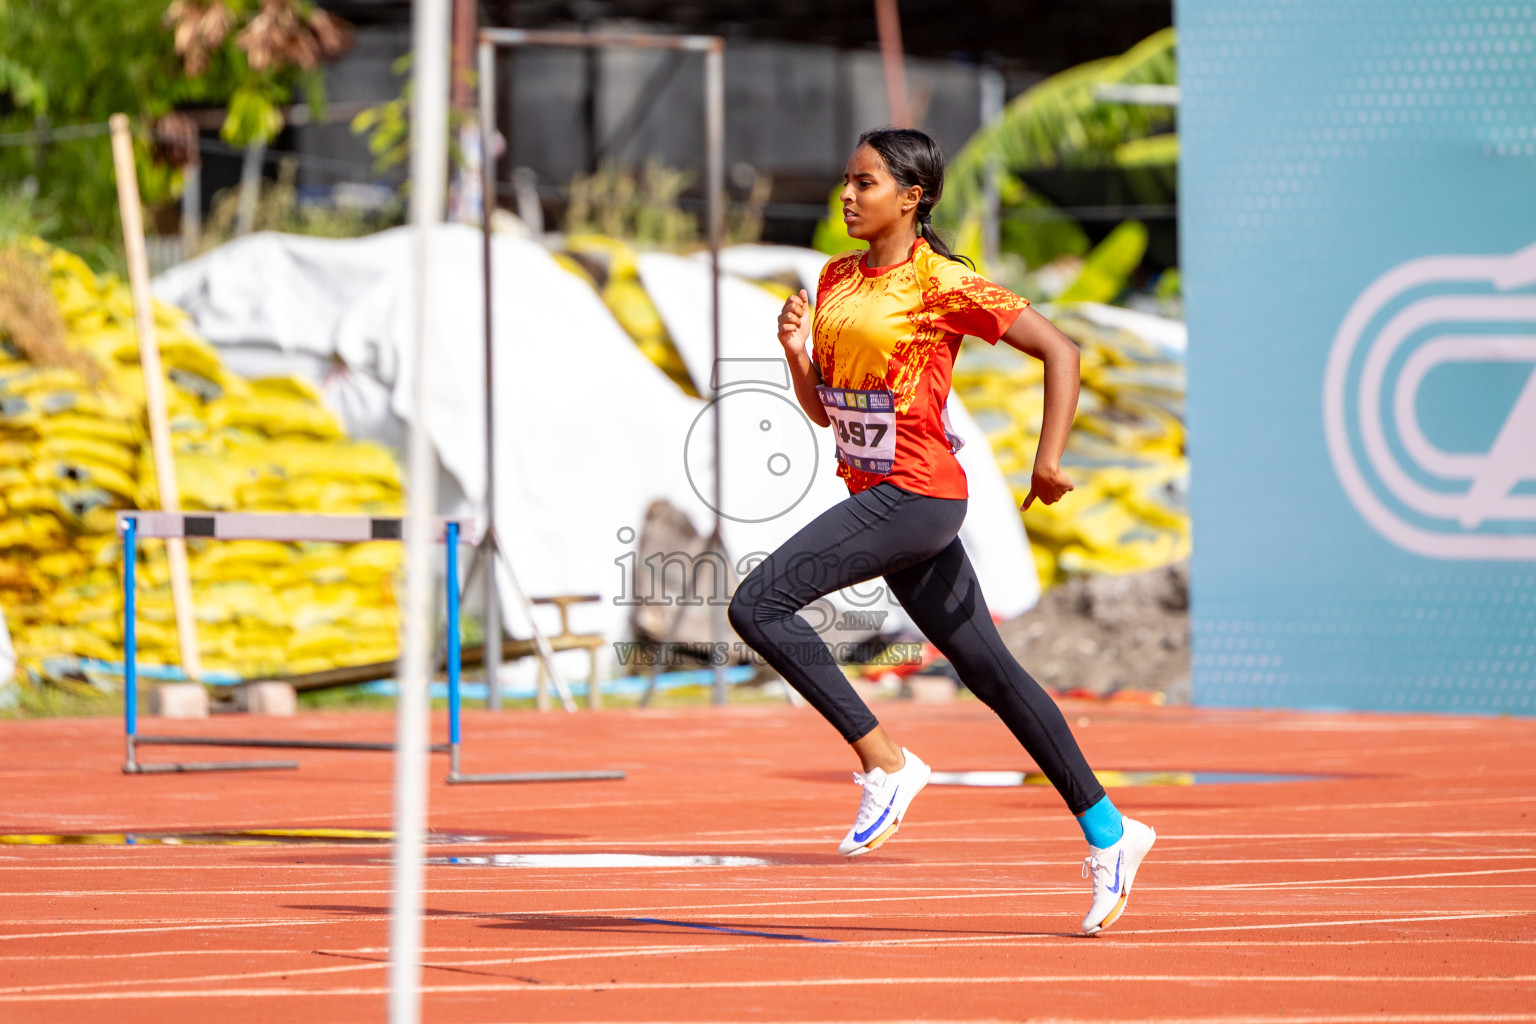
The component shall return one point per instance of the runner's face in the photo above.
(872, 204)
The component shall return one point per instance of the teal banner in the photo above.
(1358, 240)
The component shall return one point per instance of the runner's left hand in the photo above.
(1048, 484)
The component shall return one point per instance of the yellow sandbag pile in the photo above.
(1125, 455)
(611, 267)
(74, 448)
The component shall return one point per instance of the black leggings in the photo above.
(912, 540)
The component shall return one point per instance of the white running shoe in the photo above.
(1113, 869)
(883, 804)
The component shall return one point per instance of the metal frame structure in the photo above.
(713, 50)
(134, 526)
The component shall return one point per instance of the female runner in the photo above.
(886, 329)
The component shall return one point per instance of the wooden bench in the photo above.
(470, 656)
(565, 640)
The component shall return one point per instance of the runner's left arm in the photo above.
(1034, 335)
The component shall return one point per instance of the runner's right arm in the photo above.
(794, 329)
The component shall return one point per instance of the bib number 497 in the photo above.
(865, 422)
(852, 432)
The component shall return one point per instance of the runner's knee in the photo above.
(740, 615)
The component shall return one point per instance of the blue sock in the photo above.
(1102, 824)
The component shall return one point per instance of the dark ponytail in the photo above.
(914, 158)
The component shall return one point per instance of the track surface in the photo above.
(1402, 889)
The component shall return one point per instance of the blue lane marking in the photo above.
(729, 931)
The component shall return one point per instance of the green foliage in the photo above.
(1170, 286)
(278, 209)
(641, 209)
(35, 697)
(254, 113)
(1036, 231)
(26, 90)
(1152, 151)
(1062, 122)
(1108, 268)
(77, 62)
(388, 125)
(23, 216)
(831, 233)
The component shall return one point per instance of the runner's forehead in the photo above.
(864, 160)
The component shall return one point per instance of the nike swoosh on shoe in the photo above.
(861, 837)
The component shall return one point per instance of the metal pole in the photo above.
(130, 644)
(429, 173)
(492, 631)
(451, 556)
(714, 140)
(888, 21)
(581, 40)
(993, 96)
(463, 42)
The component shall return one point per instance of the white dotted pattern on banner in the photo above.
(1434, 72)
(1489, 620)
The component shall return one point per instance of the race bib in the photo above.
(865, 424)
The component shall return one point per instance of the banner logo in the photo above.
(1410, 475)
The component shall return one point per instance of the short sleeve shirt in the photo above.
(898, 329)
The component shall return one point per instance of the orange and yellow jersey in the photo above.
(885, 343)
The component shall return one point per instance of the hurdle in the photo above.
(135, 526)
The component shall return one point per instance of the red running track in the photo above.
(1401, 888)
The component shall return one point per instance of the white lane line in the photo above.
(1247, 980)
(507, 961)
(631, 951)
(913, 835)
(310, 868)
(1056, 941)
(810, 917)
(279, 889)
(748, 918)
(221, 923)
(1372, 1018)
(1346, 882)
(1375, 805)
(744, 912)
(1328, 924)
(203, 979)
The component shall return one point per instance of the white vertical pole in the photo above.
(714, 188)
(250, 187)
(429, 176)
(491, 544)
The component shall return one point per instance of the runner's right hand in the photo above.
(795, 323)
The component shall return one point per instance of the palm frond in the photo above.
(1063, 122)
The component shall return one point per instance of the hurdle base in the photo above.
(174, 767)
(216, 741)
(461, 779)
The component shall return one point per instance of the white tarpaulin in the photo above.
(589, 432)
